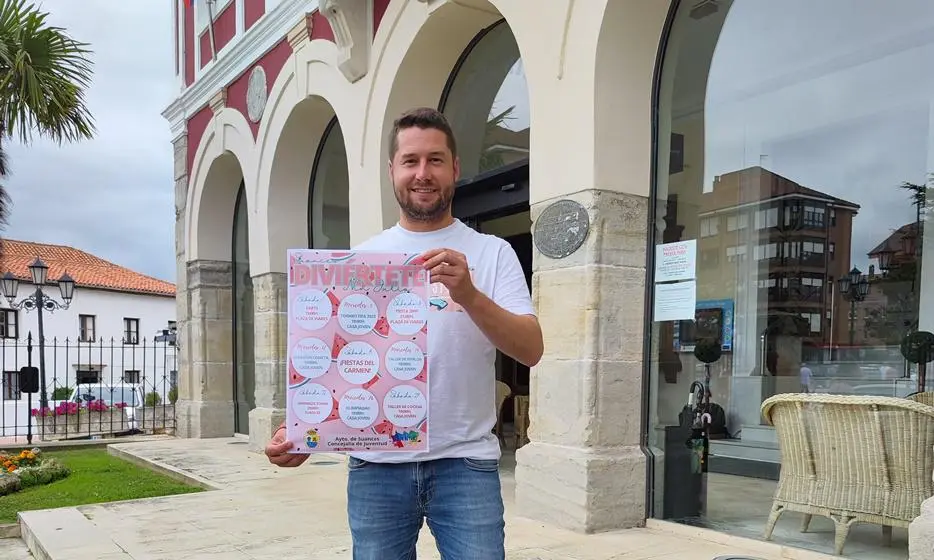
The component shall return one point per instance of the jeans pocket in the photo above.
(354, 464)
(482, 465)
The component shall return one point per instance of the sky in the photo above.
(112, 196)
(841, 101)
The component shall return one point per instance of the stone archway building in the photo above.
(283, 116)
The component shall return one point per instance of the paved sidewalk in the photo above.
(262, 512)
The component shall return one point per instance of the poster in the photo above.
(676, 261)
(357, 352)
(675, 302)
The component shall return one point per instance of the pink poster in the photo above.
(357, 352)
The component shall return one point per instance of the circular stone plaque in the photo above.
(256, 94)
(561, 229)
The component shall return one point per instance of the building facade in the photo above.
(784, 146)
(107, 336)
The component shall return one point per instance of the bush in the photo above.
(28, 468)
(49, 471)
(61, 393)
(153, 399)
(173, 395)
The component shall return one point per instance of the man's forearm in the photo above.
(517, 336)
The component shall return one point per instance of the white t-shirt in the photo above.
(461, 359)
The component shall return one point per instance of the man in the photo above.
(805, 375)
(455, 486)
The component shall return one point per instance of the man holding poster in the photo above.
(480, 303)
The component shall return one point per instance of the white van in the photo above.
(129, 395)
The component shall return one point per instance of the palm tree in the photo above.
(44, 74)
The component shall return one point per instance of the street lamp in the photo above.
(854, 287)
(40, 302)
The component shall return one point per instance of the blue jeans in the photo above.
(461, 500)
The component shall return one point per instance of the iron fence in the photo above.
(92, 389)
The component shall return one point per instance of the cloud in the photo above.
(837, 104)
(112, 196)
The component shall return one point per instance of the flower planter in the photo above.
(84, 423)
(157, 419)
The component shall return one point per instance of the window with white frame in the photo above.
(765, 251)
(11, 390)
(814, 319)
(766, 218)
(813, 216)
(737, 222)
(130, 330)
(736, 253)
(87, 330)
(709, 227)
(9, 320)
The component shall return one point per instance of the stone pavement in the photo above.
(257, 511)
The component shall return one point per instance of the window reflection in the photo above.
(244, 357)
(797, 145)
(487, 104)
(329, 203)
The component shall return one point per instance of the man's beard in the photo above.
(418, 213)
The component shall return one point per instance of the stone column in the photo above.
(205, 405)
(183, 359)
(271, 336)
(921, 533)
(584, 468)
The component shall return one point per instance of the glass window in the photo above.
(244, 361)
(812, 123)
(329, 203)
(487, 104)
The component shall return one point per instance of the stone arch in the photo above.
(414, 53)
(307, 95)
(624, 77)
(222, 161)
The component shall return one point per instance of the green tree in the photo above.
(44, 74)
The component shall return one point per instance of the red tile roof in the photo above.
(87, 270)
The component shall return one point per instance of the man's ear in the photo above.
(457, 169)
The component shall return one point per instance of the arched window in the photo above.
(244, 376)
(796, 143)
(329, 199)
(487, 103)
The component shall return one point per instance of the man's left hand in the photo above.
(449, 267)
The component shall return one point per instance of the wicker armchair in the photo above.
(853, 459)
(926, 397)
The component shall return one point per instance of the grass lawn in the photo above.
(96, 476)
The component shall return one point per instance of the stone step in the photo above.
(66, 534)
(13, 548)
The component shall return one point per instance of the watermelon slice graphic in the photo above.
(423, 375)
(336, 347)
(382, 327)
(423, 427)
(384, 428)
(371, 382)
(425, 328)
(335, 303)
(335, 415)
(296, 379)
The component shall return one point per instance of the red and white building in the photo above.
(633, 109)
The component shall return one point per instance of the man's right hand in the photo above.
(278, 451)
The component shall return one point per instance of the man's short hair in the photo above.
(424, 118)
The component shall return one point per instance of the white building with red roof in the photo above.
(108, 334)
